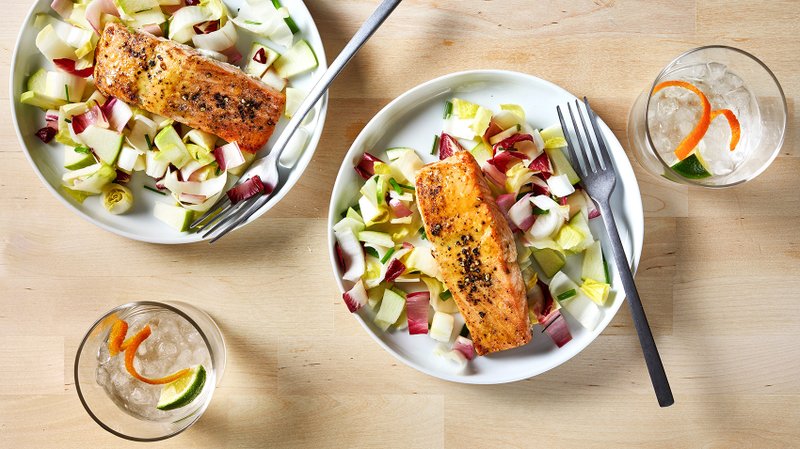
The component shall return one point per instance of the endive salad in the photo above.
(106, 141)
(387, 262)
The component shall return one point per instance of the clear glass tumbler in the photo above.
(731, 79)
(181, 336)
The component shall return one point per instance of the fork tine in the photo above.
(570, 147)
(601, 144)
(590, 165)
(591, 151)
(220, 220)
(243, 216)
(216, 211)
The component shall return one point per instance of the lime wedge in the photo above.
(181, 392)
(692, 167)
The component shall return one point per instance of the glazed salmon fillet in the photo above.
(173, 80)
(475, 249)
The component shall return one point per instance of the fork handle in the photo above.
(657, 374)
(363, 34)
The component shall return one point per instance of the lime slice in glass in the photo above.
(184, 390)
(692, 167)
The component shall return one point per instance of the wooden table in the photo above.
(720, 271)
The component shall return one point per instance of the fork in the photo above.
(598, 179)
(226, 216)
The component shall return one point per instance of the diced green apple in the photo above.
(105, 143)
(176, 217)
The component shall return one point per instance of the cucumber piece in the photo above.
(442, 327)
(176, 217)
(273, 80)
(593, 263)
(499, 137)
(376, 238)
(578, 305)
(481, 152)
(38, 81)
(392, 306)
(132, 7)
(105, 143)
(561, 284)
(253, 66)
(293, 99)
(561, 165)
(171, 147)
(90, 179)
(66, 86)
(549, 260)
(299, 59)
(40, 100)
(74, 160)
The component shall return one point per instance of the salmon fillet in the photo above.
(475, 249)
(176, 81)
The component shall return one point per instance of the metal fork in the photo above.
(593, 162)
(226, 216)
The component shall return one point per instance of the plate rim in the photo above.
(636, 226)
(179, 238)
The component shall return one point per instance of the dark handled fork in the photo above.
(593, 162)
(226, 216)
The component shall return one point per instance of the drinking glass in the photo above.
(181, 335)
(731, 79)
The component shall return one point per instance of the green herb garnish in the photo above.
(149, 142)
(435, 146)
(464, 332)
(537, 211)
(605, 268)
(407, 187)
(386, 256)
(68, 120)
(445, 295)
(567, 294)
(83, 149)
(448, 109)
(66, 91)
(252, 22)
(372, 252)
(396, 186)
(422, 233)
(153, 190)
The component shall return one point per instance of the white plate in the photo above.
(411, 121)
(139, 223)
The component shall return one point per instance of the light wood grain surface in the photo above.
(720, 271)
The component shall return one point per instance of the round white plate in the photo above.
(139, 223)
(411, 121)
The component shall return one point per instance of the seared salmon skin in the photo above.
(176, 81)
(475, 250)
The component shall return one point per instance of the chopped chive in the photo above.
(407, 187)
(68, 120)
(218, 171)
(567, 294)
(141, 11)
(445, 295)
(149, 142)
(396, 186)
(66, 91)
(435, 146)
(154, 190)
(252, 22)
(83, 149)
(372, 252)
(605, 268)
(292, 25)
(386, 256)
(464, 332)
(448, 109)
(537, 211)
(422, 233)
